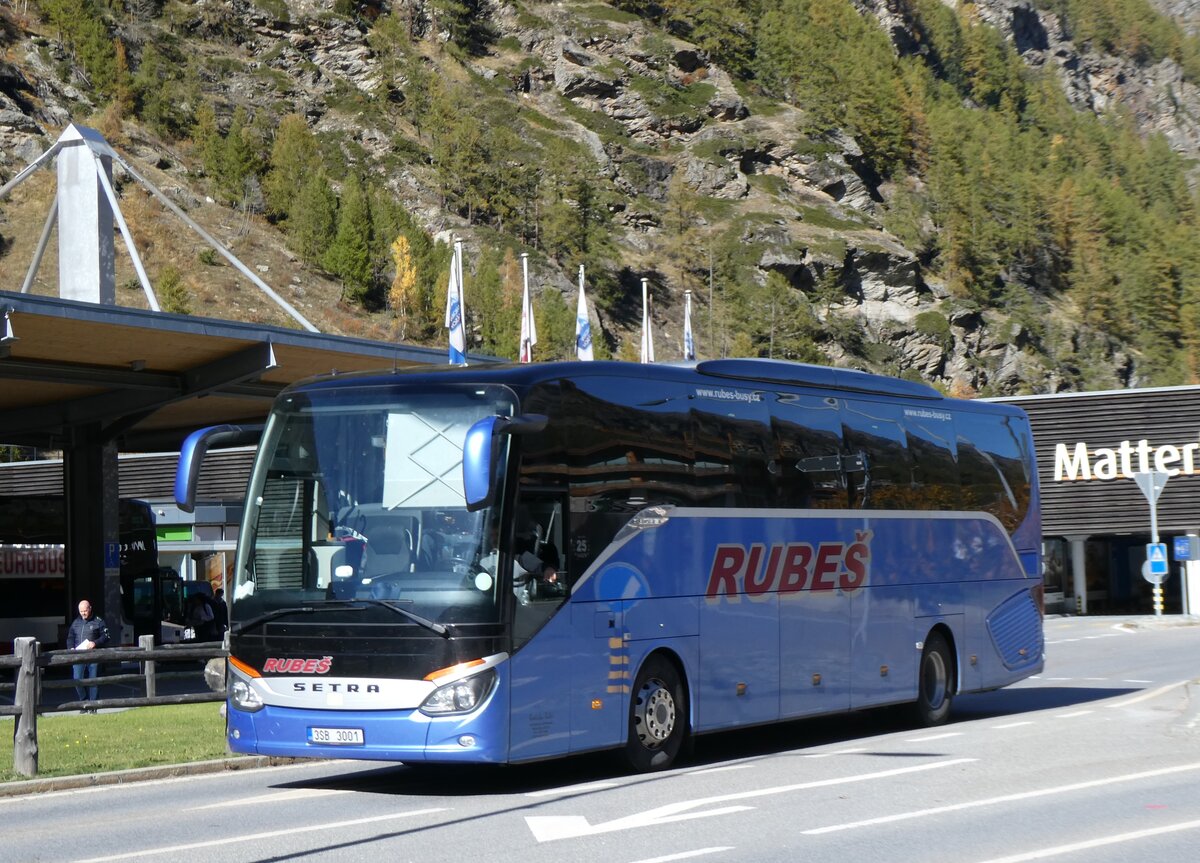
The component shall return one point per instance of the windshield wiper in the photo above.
(271, 615)
(432, 625)
(339, 604)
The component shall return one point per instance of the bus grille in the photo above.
(1016, 630)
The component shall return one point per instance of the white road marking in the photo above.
(277, 797)
(722, 769)
(1072, 715)
(1007, 798)
(687, 855)
(254, 837)
(929, 737)
(1043, 853)
(1148, 694)
(1130, 680)
(1012, 725)
(571, 789)
(835, 752)
(547, 828)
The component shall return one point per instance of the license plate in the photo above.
(336, 736)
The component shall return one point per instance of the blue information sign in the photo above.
(1156, 556)
(112, 555)
(1183, 548)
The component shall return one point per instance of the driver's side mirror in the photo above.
(481, 454)
(193, 450)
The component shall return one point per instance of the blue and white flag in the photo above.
(528, 326)
(583, 327)
(689, 342)
(456, 312)
(647, 333)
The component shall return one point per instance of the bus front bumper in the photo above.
(386, 735)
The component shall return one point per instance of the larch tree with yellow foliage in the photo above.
(402, 296)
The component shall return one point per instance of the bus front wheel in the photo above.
(657, 717)
(935, 689)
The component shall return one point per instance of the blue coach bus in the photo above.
(498, 564)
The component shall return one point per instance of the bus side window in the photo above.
(807, 432)
(539, 579)
(879, 469)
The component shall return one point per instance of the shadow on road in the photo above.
(796, 737)
(1027, 699)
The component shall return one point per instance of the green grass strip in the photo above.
(72, 744)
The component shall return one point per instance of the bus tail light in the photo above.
(461, 696)
(1039, 599)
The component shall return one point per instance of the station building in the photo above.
(1096, 521)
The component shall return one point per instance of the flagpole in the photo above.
(647, 333)
(689, 340)
(455, 310)
(583, 327)
(528, 324)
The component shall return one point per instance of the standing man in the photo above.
(86, 633)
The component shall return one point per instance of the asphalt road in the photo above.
(1096, 760)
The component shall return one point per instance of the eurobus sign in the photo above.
(32, 561)
(1123, 461)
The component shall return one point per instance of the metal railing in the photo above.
(30, 664)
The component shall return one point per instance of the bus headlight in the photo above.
(243, 696)
(461, 696)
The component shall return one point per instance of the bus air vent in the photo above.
(1016, 630)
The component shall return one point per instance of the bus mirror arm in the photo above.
(191, 456)
(481, 454)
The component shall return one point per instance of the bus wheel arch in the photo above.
(658, 722)
(937, 677)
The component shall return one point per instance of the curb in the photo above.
(140, 774)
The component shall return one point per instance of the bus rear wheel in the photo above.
(657, 717)
(935, 689)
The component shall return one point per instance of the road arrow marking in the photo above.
(548, 828)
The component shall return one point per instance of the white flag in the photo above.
(583, 327)
(689, 343)
(456, 312)
(647, 333)
(528, 326)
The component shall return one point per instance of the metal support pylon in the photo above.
(86, 207)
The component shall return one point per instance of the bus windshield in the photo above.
(356, 508)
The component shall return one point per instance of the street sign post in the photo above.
(1156, 568)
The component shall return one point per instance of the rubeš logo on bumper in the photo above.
(298, 666)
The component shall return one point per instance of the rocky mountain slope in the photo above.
(813, 213)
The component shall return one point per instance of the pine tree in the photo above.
(240, 159)
(313, 223)
(555, 327)
(294, 158)
(349, 257)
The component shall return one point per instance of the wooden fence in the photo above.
(30, 663)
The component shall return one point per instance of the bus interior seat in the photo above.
(429, 551)
(389, 550)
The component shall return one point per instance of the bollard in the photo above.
(25, 743)
(146, 642)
